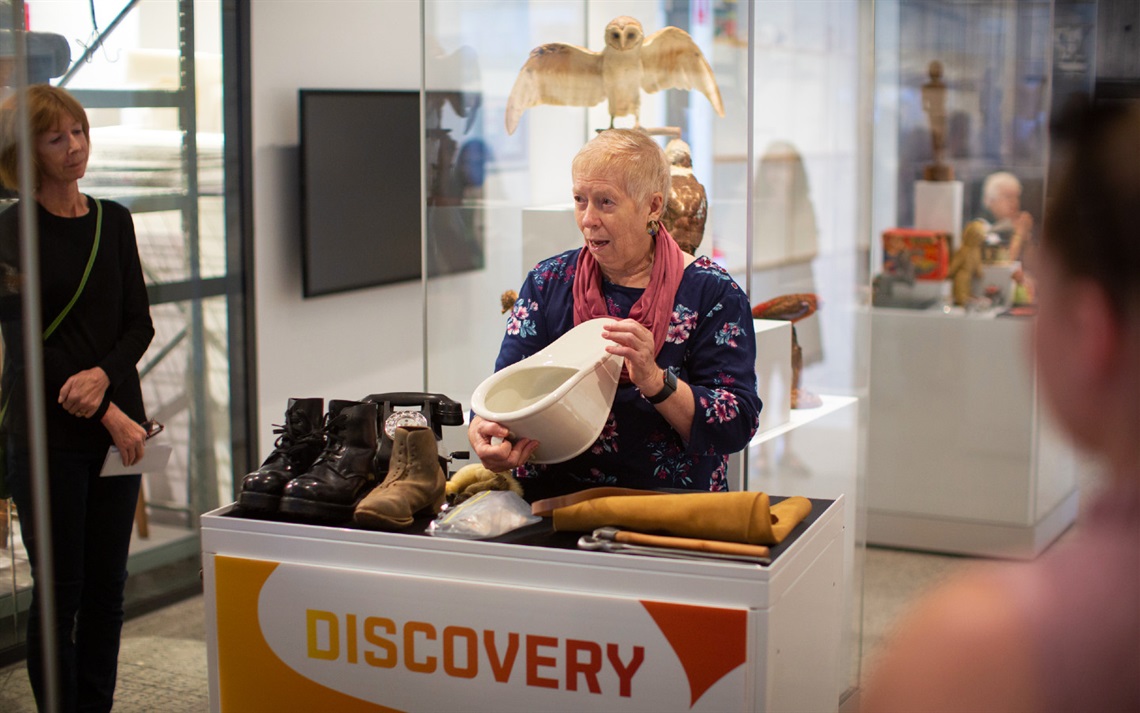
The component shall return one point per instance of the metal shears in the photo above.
(603, 540)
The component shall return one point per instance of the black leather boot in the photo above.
(344, 472)
(299, 442)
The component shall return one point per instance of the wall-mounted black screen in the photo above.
(360, 188)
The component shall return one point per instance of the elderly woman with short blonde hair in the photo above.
(688, 398)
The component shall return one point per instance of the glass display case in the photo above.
(785, 169)
(962, 456)
(149, 76)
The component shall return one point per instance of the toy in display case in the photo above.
(923, 253)
(915, 263)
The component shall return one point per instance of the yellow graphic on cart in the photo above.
(243, 652)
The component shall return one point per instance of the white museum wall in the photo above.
(336, 346)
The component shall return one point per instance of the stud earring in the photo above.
(652, 228)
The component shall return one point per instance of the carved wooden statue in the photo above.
(934, 104)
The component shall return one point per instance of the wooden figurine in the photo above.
(967, 263)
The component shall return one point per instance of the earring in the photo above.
(652, 228)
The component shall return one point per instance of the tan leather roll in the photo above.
(730, 517)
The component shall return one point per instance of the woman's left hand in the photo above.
(635, 342)
(129, 437)
(82, 393)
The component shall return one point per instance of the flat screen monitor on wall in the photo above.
(360, 189)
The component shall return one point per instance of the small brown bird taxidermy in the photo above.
(793, 308)
(688, 207)
(474, 478)
(568, 75)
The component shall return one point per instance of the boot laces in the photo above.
(289, 444)
(333, 433)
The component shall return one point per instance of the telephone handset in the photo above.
(411, 408)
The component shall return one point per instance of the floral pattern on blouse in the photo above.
(520, 324)
(710, 343)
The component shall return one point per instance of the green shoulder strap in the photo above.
(82, 283)
(86, 272)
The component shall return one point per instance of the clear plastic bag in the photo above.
(487, 514)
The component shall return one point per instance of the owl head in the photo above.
(624, 33)
(678, 153)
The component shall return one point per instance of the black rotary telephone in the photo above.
(411, 408)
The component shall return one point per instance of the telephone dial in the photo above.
(411, 408)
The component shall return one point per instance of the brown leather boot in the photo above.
(415, 483)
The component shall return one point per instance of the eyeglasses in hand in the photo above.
(152, 428)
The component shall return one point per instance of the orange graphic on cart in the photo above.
(244, 657)
(709, 642)
(421, 647)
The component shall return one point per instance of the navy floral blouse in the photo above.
(710, 343)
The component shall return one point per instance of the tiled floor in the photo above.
(162, 664)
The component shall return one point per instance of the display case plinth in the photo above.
(773, 371)
(985, 539)
(963, 457)
(322, 618)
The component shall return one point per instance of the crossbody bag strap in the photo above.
(78, 291)
(86, 271)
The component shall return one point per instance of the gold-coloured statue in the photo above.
(687, 209)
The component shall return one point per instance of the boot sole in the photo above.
(369, 521)
(317, 511)
(261, 502)
(372, 521)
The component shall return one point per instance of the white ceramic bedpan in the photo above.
(560, 397)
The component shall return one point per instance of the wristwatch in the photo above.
(667, 390)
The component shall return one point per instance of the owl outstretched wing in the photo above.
(671, 60)
(556, 73)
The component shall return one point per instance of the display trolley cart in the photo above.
(310, 618)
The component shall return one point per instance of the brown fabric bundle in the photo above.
(730, 517)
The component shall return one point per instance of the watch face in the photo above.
(404, 419)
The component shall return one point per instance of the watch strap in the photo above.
(667, 390)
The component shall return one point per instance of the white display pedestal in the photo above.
(773, 371)
(962, 456)
(317, 618)
(547, 231)
(938, 206)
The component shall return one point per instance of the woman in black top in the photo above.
(91, 392)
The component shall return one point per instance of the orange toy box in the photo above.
(920, 254)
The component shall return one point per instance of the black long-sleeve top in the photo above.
(109, 326)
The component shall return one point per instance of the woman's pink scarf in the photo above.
(655, 306)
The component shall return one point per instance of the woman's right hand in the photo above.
(503, 454)
(129, 437)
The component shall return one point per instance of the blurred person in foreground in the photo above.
(671, 311)
(91, 274)
(1061, 633)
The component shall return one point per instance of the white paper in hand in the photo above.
(154, 460)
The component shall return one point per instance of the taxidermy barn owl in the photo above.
(568, 75)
